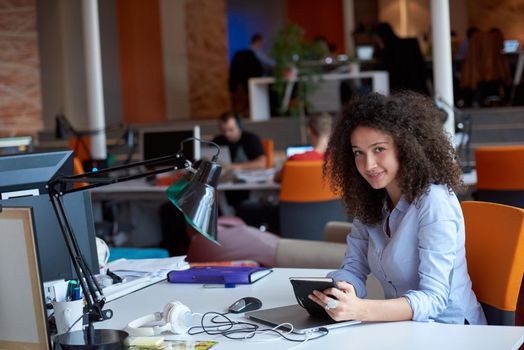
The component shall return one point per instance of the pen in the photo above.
(70, 287)
(76, 295)
(215, 285)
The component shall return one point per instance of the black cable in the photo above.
(78, 319)
(229, 328)
(50, 316)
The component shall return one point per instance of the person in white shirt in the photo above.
(397, 172)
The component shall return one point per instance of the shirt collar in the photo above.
(402, 205)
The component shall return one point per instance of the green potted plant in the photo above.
(296, 58)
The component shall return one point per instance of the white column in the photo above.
(95, 96)
(442, 69)
(176, 78)
(349, 25)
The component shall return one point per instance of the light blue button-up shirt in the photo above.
(424, 260)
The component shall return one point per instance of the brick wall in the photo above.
(20, 100)
(207, 58)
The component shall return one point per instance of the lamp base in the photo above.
(106, 339)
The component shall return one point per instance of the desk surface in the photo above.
(140, 189)
(275, 290)
(470, 179)
(136, 188)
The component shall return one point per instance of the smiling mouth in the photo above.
(375, 175)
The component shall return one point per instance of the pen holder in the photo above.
(67, 313)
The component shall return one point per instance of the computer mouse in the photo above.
(245, 304)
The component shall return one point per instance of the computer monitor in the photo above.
(159, 142)
(23, 185)
(13, 145)
(207, 152)
(28, 174)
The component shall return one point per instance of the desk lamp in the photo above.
(195, 198)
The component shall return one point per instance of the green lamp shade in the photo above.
(197, 199)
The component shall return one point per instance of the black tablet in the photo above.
(303, 286)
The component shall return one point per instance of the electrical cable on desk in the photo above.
(229, 328)
(78, 319)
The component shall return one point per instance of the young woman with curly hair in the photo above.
(397, 171)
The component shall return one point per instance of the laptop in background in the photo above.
(364, 52)
(511, 46)
(207, 153)
(301, 320)
(292, 150)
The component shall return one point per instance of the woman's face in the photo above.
(376, 159)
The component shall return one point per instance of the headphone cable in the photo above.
(229, 328)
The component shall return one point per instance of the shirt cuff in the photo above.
(343, 275)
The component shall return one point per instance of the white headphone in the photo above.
(177, 318)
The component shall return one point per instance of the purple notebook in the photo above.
(219, 274)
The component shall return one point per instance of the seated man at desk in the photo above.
(246, 152)
(245, 147)
(319, 128)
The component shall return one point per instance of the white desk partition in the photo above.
(259, 89)
(275, 290)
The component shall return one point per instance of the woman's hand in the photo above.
(347, 307)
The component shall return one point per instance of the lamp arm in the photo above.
(90, 286)
(57, 188)
(94, 179)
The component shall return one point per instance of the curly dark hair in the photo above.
(425, 153)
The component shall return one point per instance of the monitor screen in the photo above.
(13, 145)
(365, 52)
(156, 143)
(24, 177)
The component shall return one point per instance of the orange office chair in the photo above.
(268, 146)
(500, 175)
(306, 201)
(81, 146)
(495, 255)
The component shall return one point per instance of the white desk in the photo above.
(259, 92)
(275, 290)
(140, 189)
(145, 199)
(470, 179)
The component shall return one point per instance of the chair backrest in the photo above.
(500, 174)
(78, 169)
(81, 146)
(269, 146)
(302, 181)
(495, 255)
(306, 201)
